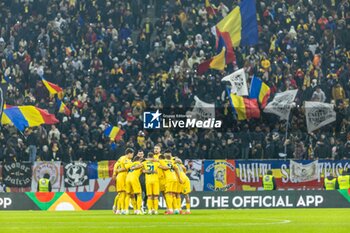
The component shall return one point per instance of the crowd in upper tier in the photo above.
(117, 58)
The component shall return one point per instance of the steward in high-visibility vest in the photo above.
(330, 183)
(44, 184)
(269, 181)
(344, 180)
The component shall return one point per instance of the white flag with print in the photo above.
(282, 104)
(238, 82)
(318, 115)
(203, 110)
(303, 172)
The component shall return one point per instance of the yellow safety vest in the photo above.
(344, 182)
(268, 182)
(44, 185)
(329, 184)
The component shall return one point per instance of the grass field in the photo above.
(201, 221)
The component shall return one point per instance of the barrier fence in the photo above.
(76, 201)
(205, 175)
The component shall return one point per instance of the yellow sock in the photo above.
(139, 201)
(121, 201)
(155, 204)
(150, 204)
(115, 204)
(169, 201)
(188, 206)
(175, 203)
(178, 202)
(126, 202)
(133, 203)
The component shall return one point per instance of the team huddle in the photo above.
(163, 174)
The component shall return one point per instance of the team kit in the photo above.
(164, 174)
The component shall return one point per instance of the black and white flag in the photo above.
(318, 115)
(282, 104)
(238, 82)
(17, 174)
(201, 110)
(75, 174)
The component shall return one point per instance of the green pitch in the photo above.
(200, 221)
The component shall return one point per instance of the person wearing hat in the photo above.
(269, 182)
(44, 184)
(330, 183)
(344, 180)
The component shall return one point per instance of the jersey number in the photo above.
(150, 168)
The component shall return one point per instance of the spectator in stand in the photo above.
(115, 59)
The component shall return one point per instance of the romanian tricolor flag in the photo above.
(219, 175)
(114, 133)
(62, 108)
(100, 170)
(217, 62)
(53, 88)
(259, 90)
(27, 116)
(239, 27)
(244, 107)
(210, 8)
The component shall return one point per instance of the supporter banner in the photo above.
(250, 172)
(94, 185)
(42, 168)
(303, 172)
(17, 174)
(102, 169)
(195, 173)
(75, 174)
(219, 175)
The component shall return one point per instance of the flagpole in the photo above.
(286, 136)
(287, 125)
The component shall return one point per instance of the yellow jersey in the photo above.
(150, 165)
(122, 161)
(182, 171)
(170, 174)
(133, 173)
(161, 175)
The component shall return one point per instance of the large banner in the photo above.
(51, 168)
(75, 174)
(199, 200)
(219, 175)
(195, 173)
(204, 175)
(17, 174)
(250, 172)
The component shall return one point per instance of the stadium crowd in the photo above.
(114, 59)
